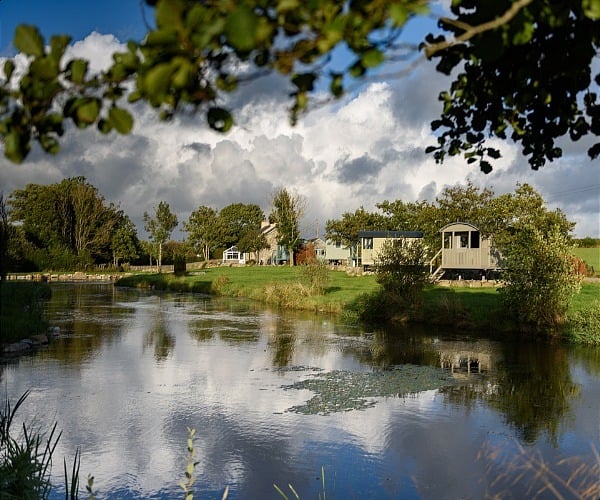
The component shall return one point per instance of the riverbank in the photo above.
(469, 308)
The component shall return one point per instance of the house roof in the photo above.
(390, 234)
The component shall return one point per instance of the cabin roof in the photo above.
(390, 234)
(447, 226)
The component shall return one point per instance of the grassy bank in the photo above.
(356, 297)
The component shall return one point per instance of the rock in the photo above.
(39, 340)
(17, 348)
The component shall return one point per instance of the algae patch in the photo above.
(339, 390)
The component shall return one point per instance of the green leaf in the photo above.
(169, 14)
(219, 119)
(15, 148)
(50, 144)
(336, 87)
(86, 111)
(398, 14)
(304, 81)
(287, 5)
(58, 45)
(372, 58)
(157, 81)
(77, 69)
(241, 27)
(104, 126)
(28, 40)
(591, 9)
(120, 119)
(9, 68)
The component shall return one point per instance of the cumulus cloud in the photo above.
(360, 150)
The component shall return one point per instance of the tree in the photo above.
(400, 269)
(253, 241)
(539, 276)
(160, 226)
(346, 229)
(288, 210)
(69, 218)
(521, 69)
(124, 242)
(239, 218)
(204, 230)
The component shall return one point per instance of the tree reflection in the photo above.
(281, 339)
(533, 389)
(159, 336)
(530, 385)
(90, 315)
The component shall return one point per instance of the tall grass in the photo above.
(25, 456)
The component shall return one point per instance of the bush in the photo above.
(539, 277)
(583, 326)
(179, 265)
(315, 276)
(401, 271)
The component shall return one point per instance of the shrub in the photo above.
(401, 271)
(583, 326)
(285, 294)
(179, 264)
(315, 276)
(539, 278)
(219, 283)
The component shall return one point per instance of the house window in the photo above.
(474, 239)
(338, 244)
(367, 243)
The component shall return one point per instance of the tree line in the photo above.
(69, 225)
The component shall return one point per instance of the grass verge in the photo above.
(358, 298)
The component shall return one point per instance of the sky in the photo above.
(359, 151)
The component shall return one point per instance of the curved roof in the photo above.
(459, 224)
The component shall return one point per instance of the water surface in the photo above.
(133, 371)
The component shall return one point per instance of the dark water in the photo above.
(133, 371)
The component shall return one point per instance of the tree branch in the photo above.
(471, 31)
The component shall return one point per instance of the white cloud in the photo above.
(359, 151)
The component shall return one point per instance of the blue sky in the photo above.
(123, 18)
(364, 149)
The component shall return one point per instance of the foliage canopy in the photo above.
(522, 70)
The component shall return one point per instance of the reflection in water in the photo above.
(134, 370)
(158, 334)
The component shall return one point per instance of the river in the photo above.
(288, 398)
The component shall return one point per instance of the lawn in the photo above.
(469, 308)
(591, 256)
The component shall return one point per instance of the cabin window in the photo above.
(368, 243)
(474, 239)
(447, 240)
(462, 239)
(338, 244)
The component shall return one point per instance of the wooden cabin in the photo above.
(465, 249)
(371, 243)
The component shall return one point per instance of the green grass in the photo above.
(264, 283)
(589, 293)
(591, 256)
(466, 308)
